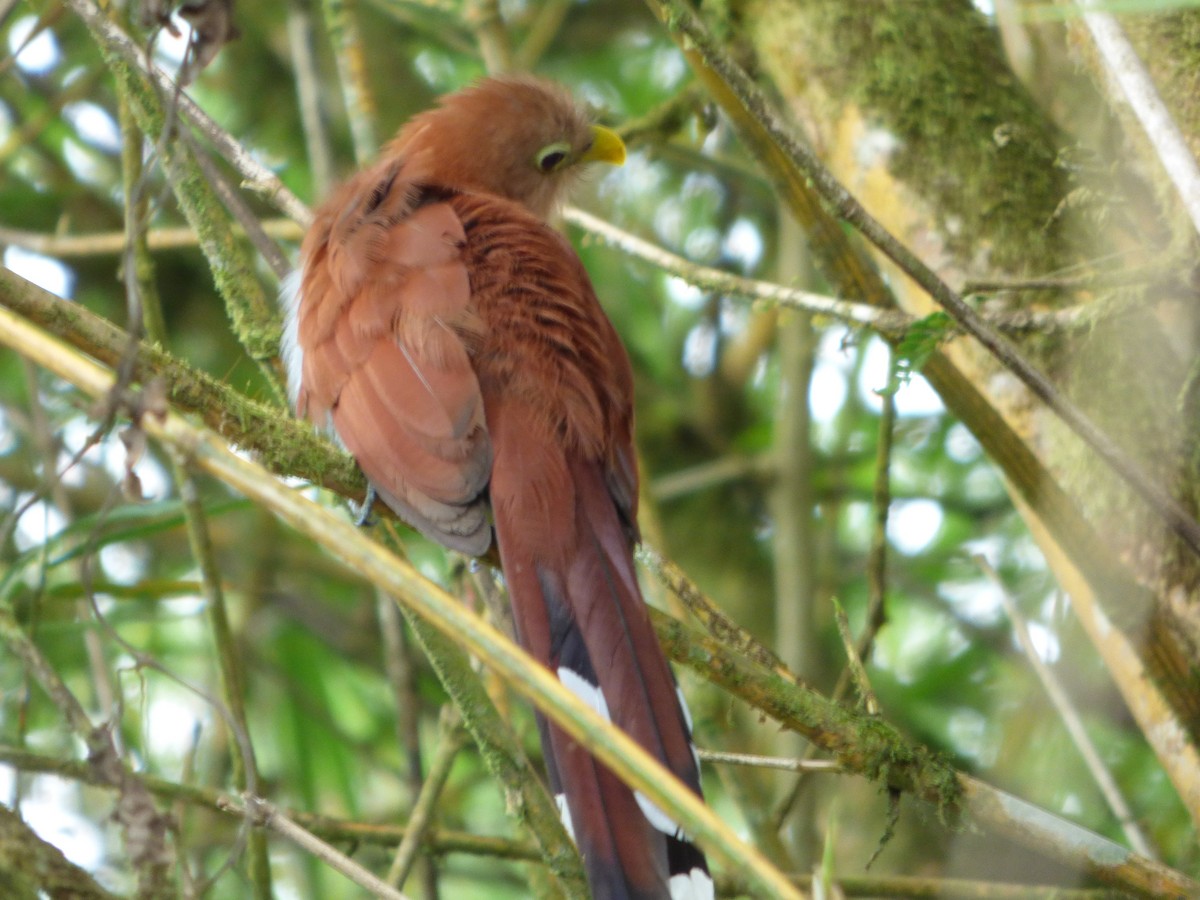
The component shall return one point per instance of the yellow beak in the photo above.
(606, 147)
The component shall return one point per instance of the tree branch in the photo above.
(611, 746)
(682, 20)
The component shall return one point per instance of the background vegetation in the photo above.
(199, 699)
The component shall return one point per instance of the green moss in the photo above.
(971, 140)
(885, 757)
(252, 314)
(864, 744)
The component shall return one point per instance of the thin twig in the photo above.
(1089, 278)
(398, 666)
(44, 673)
(243, 762)
(857, 672)
(881, 501)
(110, 243)
(180, 809)
(239, 210)
(1071, 719)
(438, 841)
(452, 738)
(47, 448)
(268, 816)
(888, 323)
(829, 766)
(256, 176)
(899, 887)
(714, 473)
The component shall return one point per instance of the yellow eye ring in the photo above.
(552, 157)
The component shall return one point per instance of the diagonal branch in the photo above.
(1071, 719)
(34, 867)
(452, 738)
(868, 746)
(611, 746)
(257, 177)
(266, 815)
(682, 20)
(872, 747)
(891, 324)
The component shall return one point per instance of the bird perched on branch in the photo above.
(452, 341)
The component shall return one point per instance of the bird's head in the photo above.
(517, 136)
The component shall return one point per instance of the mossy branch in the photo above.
(31, 867)
(251, 313)
(865, 745)
(874, 748)
(784, 148)
(524, 794)
(611, 746)
(281, 442)
(800, 176)
(439, 841)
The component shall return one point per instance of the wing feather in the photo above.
(385, 326)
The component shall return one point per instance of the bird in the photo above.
(450, 339)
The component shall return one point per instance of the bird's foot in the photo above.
(362, 512)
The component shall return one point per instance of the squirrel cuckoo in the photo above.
(452, 341)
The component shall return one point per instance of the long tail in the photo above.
(578, 609)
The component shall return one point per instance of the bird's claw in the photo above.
(362, 511)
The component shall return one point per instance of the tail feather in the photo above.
(605, 601)
(623, 858)
(578, 610)
(631, 849)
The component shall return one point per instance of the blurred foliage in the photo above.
(103, 583)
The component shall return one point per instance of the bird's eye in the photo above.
(552, 157)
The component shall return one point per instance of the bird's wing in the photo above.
(384, 325)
